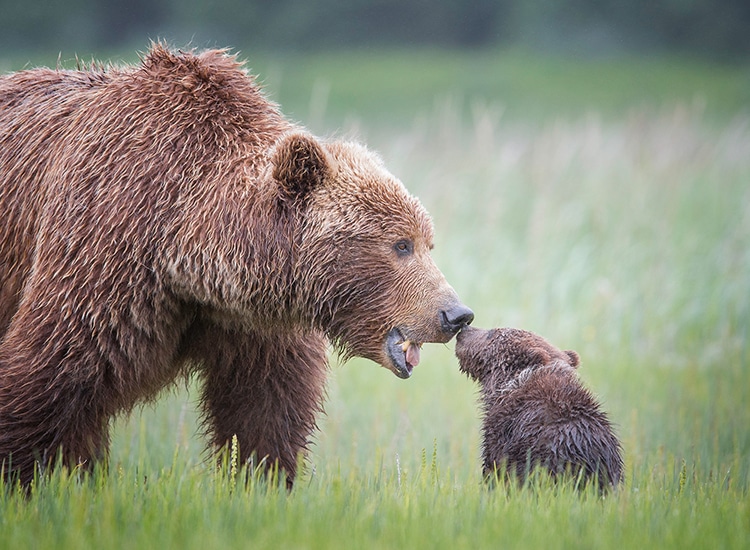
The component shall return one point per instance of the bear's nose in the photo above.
(455, 318)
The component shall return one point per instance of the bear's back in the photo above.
(108, 149)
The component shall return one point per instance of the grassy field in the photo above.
(603, 204)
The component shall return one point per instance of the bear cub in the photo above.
(536, 410)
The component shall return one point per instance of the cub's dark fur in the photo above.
(536, 411)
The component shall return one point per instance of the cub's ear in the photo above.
(299, 164)
(538, 356)
(575, 360)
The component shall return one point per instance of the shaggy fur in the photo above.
(166, 218)
(536, 410)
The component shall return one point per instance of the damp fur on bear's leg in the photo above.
(265, 391)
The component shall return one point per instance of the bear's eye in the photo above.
(404, 247)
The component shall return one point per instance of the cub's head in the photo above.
(364, 267)
(502, 352)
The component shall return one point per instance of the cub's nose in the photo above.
(455, 318)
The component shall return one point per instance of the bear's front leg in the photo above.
(266, 389)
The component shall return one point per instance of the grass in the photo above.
(196, 508)
(615, 222)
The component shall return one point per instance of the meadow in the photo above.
(602, 203)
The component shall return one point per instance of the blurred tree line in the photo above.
(707, 27)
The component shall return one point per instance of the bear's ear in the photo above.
(575, 360)
(299, 164)
(538, 356)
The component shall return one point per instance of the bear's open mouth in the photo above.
(403, 353)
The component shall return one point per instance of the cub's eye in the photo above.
(404, 247)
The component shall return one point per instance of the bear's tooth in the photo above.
(405, 345)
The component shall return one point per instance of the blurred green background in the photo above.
(591, 27)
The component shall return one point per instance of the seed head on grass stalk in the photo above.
(235, 452)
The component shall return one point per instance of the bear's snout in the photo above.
(455, 318)
(471, 350)
(469, 336)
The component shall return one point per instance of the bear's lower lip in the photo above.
(394, 341)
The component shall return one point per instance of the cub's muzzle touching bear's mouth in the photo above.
(404, 352)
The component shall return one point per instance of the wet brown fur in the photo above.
(164, 219)
(536, 411)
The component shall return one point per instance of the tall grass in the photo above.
(622, 234)
(198, 508)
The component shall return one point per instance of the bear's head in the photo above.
(366, 277)
(498, 354)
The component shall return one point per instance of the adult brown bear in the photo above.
(164, 219)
